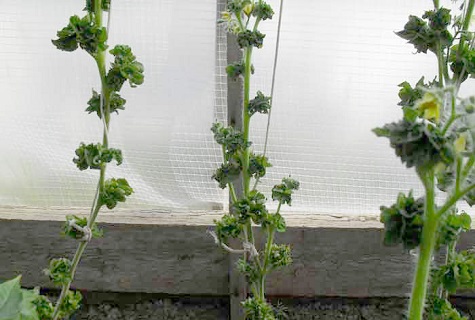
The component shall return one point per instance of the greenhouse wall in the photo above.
(338, 67)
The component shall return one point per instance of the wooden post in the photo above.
(237, 282)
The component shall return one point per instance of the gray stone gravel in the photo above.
(167, 309)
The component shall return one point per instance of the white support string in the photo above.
(276, 56)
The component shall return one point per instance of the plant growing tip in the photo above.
(241, 165)
(89, 34)
(435, 137)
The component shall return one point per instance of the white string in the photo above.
(247, 246)
(277, 42)
(87, 233)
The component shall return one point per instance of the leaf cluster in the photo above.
(419, 144)
(115, 191)
(250, 38)
(452, 227)
(250, 271)
(59, 271)
(81, 32)
(403, 221)
(258, 165)
(256, 309)
(459, 273)
(228, 227)
(228, 172)
(260, 104)
(72, 232)
(125, 67)
(280, 255)
(116, 103)
(93, 156)
(283, 192)
(442, 309)
(427, 32)
(230, 139)
(236, 69)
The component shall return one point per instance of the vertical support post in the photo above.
(234, 101)
(237, 282)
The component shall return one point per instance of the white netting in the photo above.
(338, 70)
(164, 131)
(337, 77)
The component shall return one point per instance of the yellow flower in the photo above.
(429, 106)
(248, 8)
(226, 15)
(460, 143)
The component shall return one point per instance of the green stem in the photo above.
(246, 119)
(426, 249)
(468, 166)
(453, 113)
(100, 60)
(453, 199)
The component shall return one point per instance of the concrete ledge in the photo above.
(157, 252)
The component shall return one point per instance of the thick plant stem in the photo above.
(100, 60)
(426, 249)
(246, 118)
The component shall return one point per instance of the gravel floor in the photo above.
(167, 309)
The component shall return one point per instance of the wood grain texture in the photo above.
(145, 251)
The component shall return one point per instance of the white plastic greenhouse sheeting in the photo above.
(337, 77)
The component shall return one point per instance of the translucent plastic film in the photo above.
(169, 153)
(338, 70)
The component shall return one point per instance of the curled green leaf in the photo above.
(115, 191)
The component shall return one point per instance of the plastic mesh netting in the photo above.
(164, 131)
(337, 76)
(338, 70)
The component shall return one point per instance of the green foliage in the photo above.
(258, 165)
(89, 34)
(83, 33)
(257, 309)
(252, 207)
(72, 232)
(71, 304)
(228, 227)
(248, 38)
(260, 104)
(452, 227)
(418, 144)
(280, 255)
(115, 190)
(17, 303)
(262, 11)
(427, 35)
(90, 5)
(236, 69)
(59, 271)
(403, 221)
(442, 309)
(462, 61)
(227, 173)
(44, 307)
(241, 165)
(249, 270)
(283, 192)
(276, 222)
(125, 67)
(458, 273)
(231, 139)
(93, 156)
(94, 104)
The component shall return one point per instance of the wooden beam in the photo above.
(159, 252)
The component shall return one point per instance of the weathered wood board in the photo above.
(159, 252)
